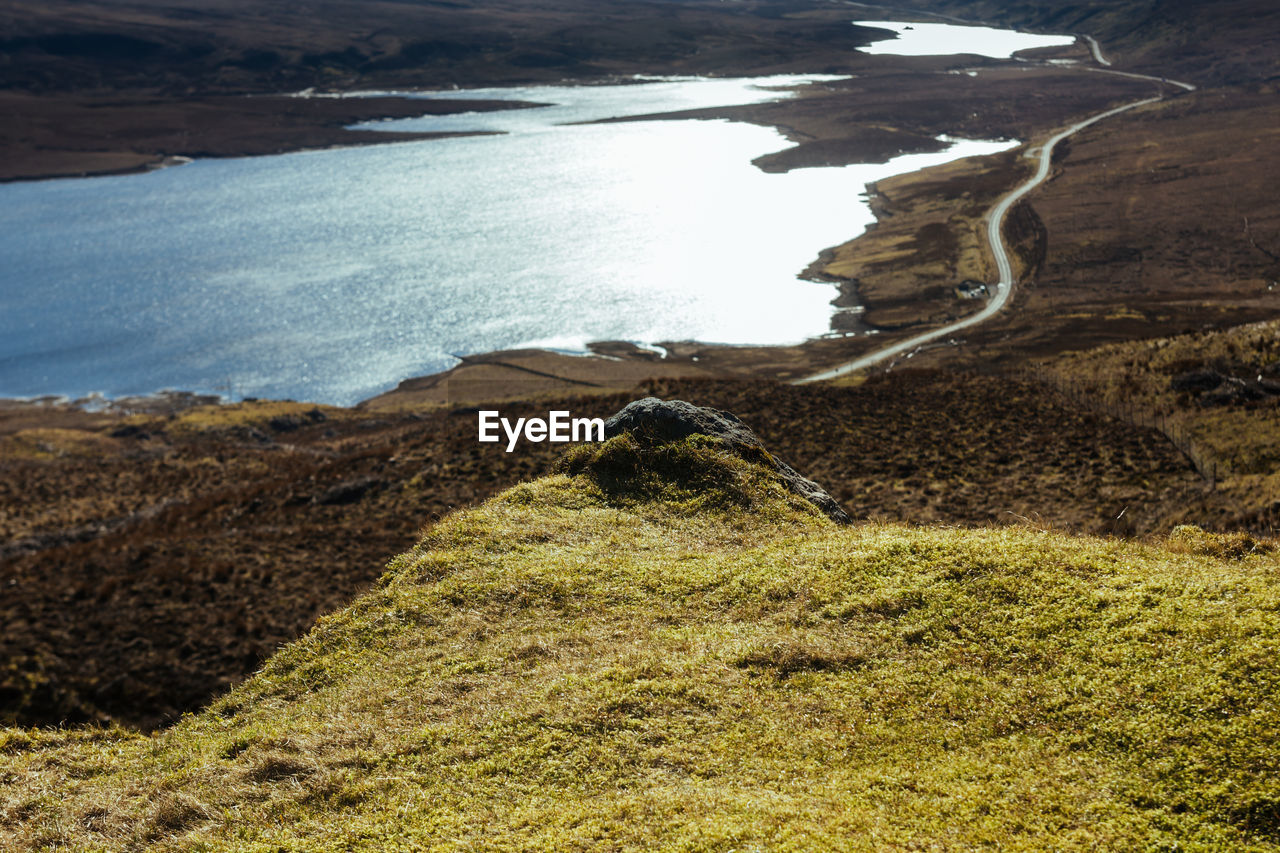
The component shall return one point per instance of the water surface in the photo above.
(332, 275)
(915, 39)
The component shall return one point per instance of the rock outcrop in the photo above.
(672, 420)
(1214, 388)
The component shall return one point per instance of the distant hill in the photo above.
(119, 87)
(243, 45)
(659, 647)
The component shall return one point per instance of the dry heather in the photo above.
(1221, 388)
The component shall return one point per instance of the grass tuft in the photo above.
(792, 655)
(1190, 539)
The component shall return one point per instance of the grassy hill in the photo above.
(660, 647)
(150, 562)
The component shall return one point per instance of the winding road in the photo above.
(1096, 50)
(995, 220)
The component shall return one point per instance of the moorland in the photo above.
(658, 646)
(156, 552)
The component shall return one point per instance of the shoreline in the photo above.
(137, 129)
(614, 365)
(731, 355)
(696, 358)
(147, 131)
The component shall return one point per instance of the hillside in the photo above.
(1218, 387)
(150, 562)
(659, 647)
(182, 46)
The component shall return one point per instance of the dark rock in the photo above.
(1230, 392)
(130, 431)
(672, 420)
(285, 423)
(289, 423)
(1197, 381)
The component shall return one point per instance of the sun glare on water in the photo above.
(944, 39)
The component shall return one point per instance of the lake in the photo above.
(917, 39)
(331, 275)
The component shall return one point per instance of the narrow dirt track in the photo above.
(1004, 286)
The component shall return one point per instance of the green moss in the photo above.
(660, 648)
(694, 475)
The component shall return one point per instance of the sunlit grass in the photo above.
(663, 649)
(1241, 439)
(256, 413)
